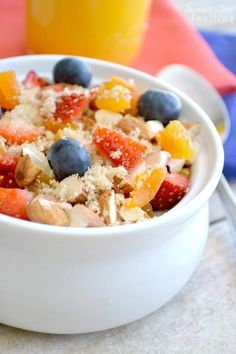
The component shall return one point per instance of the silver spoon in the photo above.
(202, 92)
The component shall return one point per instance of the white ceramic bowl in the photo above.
(75, 280)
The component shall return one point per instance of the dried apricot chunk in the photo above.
(9, 89)
(134, 91)
(55, 125)
(113, 97)
(176, 140)
(146, 186)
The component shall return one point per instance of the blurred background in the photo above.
(211, 14)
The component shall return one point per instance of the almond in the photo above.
(175, 165)
(81, 216)
(26, 171)
(193, 128)
(107, 118)
(154, 127)
(46, 210)
(129, 123)
(39, 159)
(72, 190)
(107, 204)
(131, 214)
(157, 158)
(122, 187)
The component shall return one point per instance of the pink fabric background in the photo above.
(170, 39)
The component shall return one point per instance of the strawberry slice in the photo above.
(118, 148)
(8, 181)
(69, 108)
(19, 132)
(8, 164)
(55, 87)
(33, 80)
(171, 191)
(13, 202)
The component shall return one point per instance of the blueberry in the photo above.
(72, 71)
(68, 157)
(1, 112)
(159, 105)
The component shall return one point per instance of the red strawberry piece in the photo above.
(8, 164)
(171, 191)
(33, 80)
(18, 132)
(69, 108)
(14, 201)
(118, 148)
(56, 87)
(8, 181)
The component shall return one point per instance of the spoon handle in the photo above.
(229, 201)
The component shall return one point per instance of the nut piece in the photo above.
(39, 160)
(129, 123)
(148, 210)
(157, 159)
(81, 216)
(122, 187)
(132, 214)
(106, 118)
(154, 127)
(107, 205)
(176, 165)
(46, 210)
(26, 171)
(72, 190)
(192, 128)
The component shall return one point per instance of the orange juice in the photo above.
(104, 29)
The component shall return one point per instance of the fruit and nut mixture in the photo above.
(82, 156)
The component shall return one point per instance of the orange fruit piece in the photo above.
(146, 186)
(134, 91)
(119, 81)
(113, 97)
(55, 125)
(176, 140)
(9, 89)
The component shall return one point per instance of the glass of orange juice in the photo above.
(105, 29)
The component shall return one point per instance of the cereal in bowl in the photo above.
(80, 156)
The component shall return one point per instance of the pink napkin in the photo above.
(12, 28)
(172, 39)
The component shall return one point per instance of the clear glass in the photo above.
(104, 29)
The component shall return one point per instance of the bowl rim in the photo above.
(172, 216)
